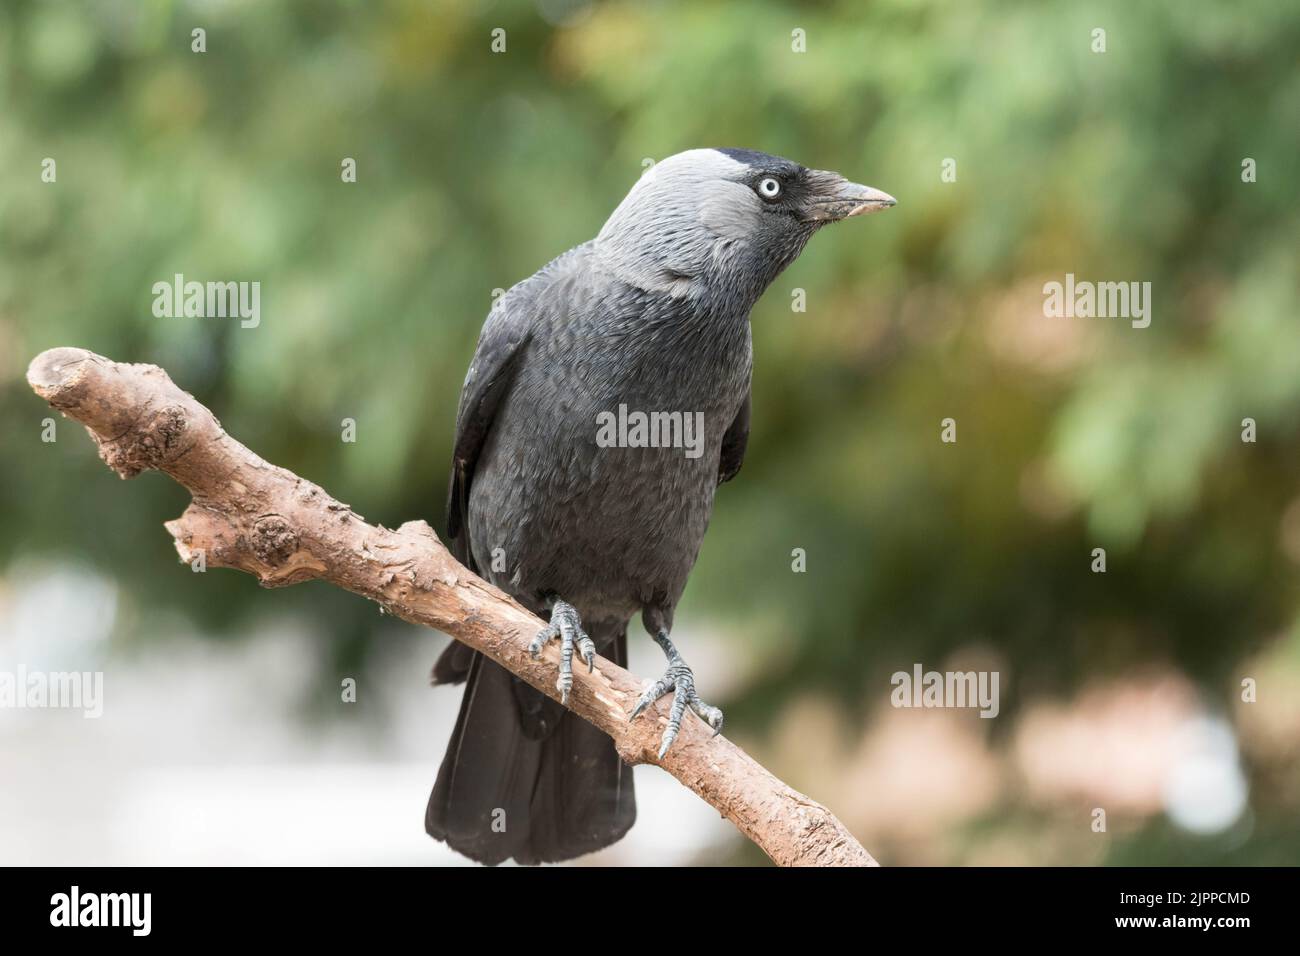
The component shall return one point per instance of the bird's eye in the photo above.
(769, 187)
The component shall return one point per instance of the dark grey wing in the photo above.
(733, 444)
(501, 345)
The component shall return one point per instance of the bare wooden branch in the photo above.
(250, 515)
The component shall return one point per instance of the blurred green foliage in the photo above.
(475, 168)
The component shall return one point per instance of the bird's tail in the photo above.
(523, 777)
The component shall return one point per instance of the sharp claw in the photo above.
(675, 715)
(669, 736)
(587, 650)
(641, 706)
(544, 637)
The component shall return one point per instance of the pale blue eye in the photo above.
(769, 187)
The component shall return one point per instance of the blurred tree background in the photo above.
(474, 168)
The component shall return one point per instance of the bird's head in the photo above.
(711, 222)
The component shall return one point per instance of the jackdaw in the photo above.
(650, 317)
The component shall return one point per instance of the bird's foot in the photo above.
(567, 626)
(679, 679)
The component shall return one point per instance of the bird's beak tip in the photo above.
(837, 198)
(870, 200)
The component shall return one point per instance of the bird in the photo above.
(649, 318)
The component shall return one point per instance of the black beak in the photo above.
(835, 198)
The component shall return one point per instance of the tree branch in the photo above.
(250, 515)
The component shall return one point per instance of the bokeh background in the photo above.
(224, 738)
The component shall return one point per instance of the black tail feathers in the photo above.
(524, 778)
